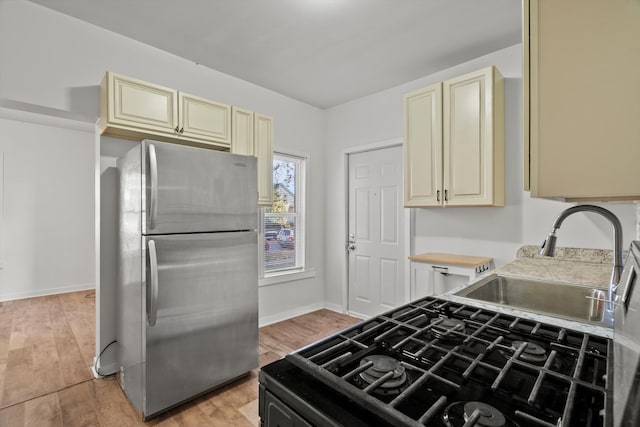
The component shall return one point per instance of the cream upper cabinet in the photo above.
(263, 131)
(201, 119)
(132, 103)
(242, 132)
(253, 136)
(582, 99)
(473, 139)
(133, 108)
(422, 112)
(454, 142)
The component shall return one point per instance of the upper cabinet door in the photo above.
(423, 146)
(138, 104)
(242, 132)
(253, 136)
(263, 137)
(473, 142)
(203, 119)
(582, 99)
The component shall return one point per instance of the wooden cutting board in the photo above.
(451, 259)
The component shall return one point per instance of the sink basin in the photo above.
(572, 302)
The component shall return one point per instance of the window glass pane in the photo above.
(284, 185)
(283, 222)
(280, 251)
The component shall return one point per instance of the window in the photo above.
(283, 222)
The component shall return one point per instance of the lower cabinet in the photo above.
(436, 274)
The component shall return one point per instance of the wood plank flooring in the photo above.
(46, 353)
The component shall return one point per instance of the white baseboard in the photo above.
(279, 317)
(45, 292)
(335, 307)
(358, 315)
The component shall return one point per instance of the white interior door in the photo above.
(375, 234)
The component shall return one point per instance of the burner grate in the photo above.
(451, 352)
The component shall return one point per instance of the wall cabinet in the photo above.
(132, 108)
(253, 136)
(581, 103)
(454, 142)
(136, 109)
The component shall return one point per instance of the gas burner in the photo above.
(532, 353)
(445, 326)
(485, 415)
(475, 413)
(381, 366)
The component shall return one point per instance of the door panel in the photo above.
(206, 328)
(465, 142)
(362, 224)
(376, 221)
(389, 277)
(197, 190)
(390, 200)
(363, 279)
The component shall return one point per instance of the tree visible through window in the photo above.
(284, 220)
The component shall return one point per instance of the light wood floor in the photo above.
(47, 346)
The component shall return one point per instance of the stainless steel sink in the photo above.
(580, 303)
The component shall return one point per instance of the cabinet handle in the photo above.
(181, 131)
(438, 196)
(177, 129)
(446, 195)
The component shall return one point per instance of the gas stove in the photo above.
(435, 362)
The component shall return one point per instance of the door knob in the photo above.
(351, 243)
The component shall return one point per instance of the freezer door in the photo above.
(201, 314)
(190, 190)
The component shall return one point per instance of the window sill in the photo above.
(286, 277)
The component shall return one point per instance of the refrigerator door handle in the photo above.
(152, 310)
(153, 170)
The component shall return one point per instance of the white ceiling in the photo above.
(322, 52)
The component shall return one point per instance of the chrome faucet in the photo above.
(549, 245)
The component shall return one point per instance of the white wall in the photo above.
(48, 237)
(496, 232)
(58, 62)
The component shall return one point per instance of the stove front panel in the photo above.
(434, 362)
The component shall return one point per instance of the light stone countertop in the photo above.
(586, 267)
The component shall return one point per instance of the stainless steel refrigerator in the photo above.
(188, 272)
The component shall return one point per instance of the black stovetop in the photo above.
(440, 363)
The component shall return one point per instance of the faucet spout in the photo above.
(548, 247)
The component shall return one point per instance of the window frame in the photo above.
(302, 271)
